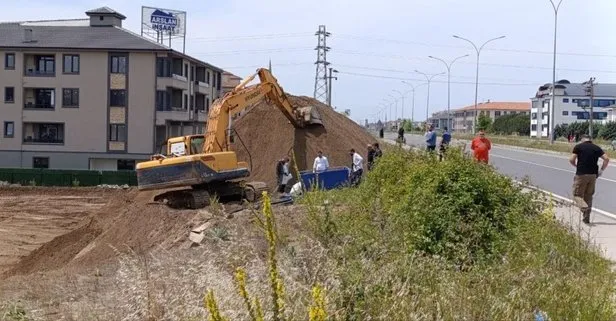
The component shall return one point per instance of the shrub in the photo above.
(512, 124)
(421, 239)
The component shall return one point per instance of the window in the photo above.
(40, 162)
(163, 100)
(44, 98)
(70, 97)
(71, 64)
(533, 127)
(126, 164)
(565, 113)
(533, 116)
(43, 133)
(117, 133)
(163, 67)
(214, 80)
(185, 101)
(574, 101)
(9, 61)
(117, 98)
(9, 94)
(219, 81)
(186, 70)
(118, 64)
(9, 129)
(497, 113)
(565, 100)
(46, 65)
(207, 77)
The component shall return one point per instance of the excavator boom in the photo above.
(193, 173)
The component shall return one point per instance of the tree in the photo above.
(484, 122)
(512, 123)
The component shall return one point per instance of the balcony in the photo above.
(40, 65)
(43, 133)
(202, 87)
(40, 98)
(174, 81)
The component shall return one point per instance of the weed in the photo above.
(221, 233)
(75, 182)
(14, 312)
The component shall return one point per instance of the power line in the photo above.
(251, 37)
(406, 42)
(453, 82)
(239, 52)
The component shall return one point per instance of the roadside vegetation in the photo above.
(418, 240)
(428, 240)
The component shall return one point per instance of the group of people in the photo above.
(480, 145)
(321, 164)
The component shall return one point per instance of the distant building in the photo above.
(462, 118)
(90, 94)
(571, 105)
(229, 81)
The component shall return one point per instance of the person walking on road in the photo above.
(357, 168)
(430, 138)
(401, 138)
(585, 158)
(320, 164)
(481, 147)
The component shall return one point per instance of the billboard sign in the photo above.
(171, 22)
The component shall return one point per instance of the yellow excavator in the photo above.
(196, 167)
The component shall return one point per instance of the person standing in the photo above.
(282, 174)
(320, 163)
(430, 138)
(401, 138)
(445, 140)
(481, 147)
(377, 151)
(584, 158)
(370, 157)
(357, 168)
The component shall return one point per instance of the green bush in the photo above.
(421, 239)
(608, 131)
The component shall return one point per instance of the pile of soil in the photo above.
(129, 222)
(265, 136)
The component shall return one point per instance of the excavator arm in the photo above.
(244, 96)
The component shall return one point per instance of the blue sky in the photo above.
(376, 44)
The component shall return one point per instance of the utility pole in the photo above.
(478, 51)
(402, 98)
(329, 80)
(428, 80)
(589, 87)
(320, 77)
(448, 66)
(553, 103)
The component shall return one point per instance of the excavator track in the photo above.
(199, 197)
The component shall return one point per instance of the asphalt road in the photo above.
(547, 171)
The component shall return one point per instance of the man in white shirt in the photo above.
(320, 163)
(357, 168)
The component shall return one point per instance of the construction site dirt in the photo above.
(59, 234)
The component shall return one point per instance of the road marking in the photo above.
(546, 166)
(535, 151)
(568, 200)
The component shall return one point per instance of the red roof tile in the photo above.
(499, 105)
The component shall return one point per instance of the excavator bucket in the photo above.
(310, 115)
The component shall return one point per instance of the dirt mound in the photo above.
(129, 222)
(265, 135)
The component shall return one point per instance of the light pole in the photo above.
(428, 79)
(395, 118)
(413, 87)
(329, 92)
(448, 66)
(551, 118)
(477, 72)
(402, 107)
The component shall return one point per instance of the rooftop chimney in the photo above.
(28, 35)
(105, 17)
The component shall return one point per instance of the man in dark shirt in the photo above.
(585, 158)
(371, 156)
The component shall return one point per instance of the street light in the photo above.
(389, 105)
(428, 79)
(448, 66)
(551, 119)
(391, 108)
(477, 73)
(413, 87)
(402, 108)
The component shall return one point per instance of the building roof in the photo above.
(74, 37)
(578, 89)
(78, 34)
(105, 11)
(499, 105)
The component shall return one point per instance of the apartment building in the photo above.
(571, 104)
(462, 118)
(229, 81)
(89, 94)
